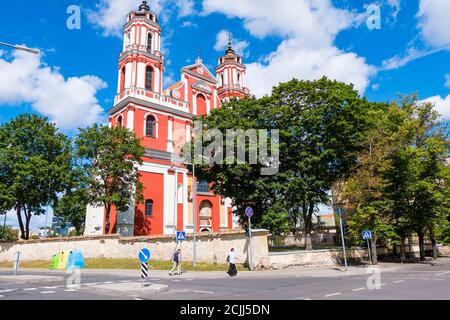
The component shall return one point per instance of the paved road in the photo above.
(415, 281)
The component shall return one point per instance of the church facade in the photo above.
(163, 119)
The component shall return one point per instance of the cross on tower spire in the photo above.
(144, 6)
(199, 59)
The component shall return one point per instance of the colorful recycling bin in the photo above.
(75, 260)
(54, 260)
(62, 263)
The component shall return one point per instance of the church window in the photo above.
(149, 78)
(149, 208)
(150, 126)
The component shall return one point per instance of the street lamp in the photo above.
(19, 47)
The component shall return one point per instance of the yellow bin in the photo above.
(62, 263)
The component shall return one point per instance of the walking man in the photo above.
(176, 262)
(231, 259)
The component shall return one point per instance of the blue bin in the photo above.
(76, 260)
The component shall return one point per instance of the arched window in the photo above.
(149, 78)
(150, 126)
(122, 79)
(149, 41)
(149, 208)
(205, 214)
(238, 79)
(222, 79)
(119, 121)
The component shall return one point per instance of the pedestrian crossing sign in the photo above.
(181, 235)
(367, 235)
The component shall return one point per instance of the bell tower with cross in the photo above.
(231, 75)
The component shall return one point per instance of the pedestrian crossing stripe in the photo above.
(144, 270)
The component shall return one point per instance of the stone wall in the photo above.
(332, 257)
(211, 247)
(329, 257)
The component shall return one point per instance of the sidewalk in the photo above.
(290, 272)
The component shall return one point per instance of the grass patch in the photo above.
(127, 263)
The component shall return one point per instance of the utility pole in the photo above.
(18, 47)
(341, 213)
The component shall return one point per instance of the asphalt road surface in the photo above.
(411, 281)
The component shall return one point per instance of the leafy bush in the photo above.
(8, 234)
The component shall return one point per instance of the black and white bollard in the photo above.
(144, 273)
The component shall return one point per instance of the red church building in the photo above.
(163, 119)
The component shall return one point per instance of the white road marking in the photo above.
(70, 290)
(359, 289)
(1, 296)
(29, 289)
(383, 284)
(46, 292)
(137, 299)
(7, 290)
(176, 280)
(398, 281)
(333, 294)
(200, 291)
(440, 274)
(49, 287)
(108, 282)
(91, 283)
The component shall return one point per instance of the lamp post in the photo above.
(18, 47)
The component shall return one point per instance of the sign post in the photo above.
(367, 235)
(341, 213)
(144, 256)
(249, 213)
(16, 262)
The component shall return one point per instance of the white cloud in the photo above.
(434, 27)
(434, 22)
(68, 102)
(447, 80)
(188, 24)
(307, 50)
(222, 39)
(292, 60)
(314, 23)
(411, 54)
(185, 7)
(395, 5)
(442, 105)
(110, 15)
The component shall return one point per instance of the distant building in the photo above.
(57, 226)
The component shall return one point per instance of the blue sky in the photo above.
(74, 80)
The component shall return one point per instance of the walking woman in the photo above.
(231, 259)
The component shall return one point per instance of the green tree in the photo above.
(109, 157)
(362, 189)
(416, 181)
(72, 205)
(320, 125)
(34, 167)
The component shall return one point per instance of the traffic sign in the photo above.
(340, 212)
(249, 212)
(181, 235)
(367, 235)
(144, 255)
